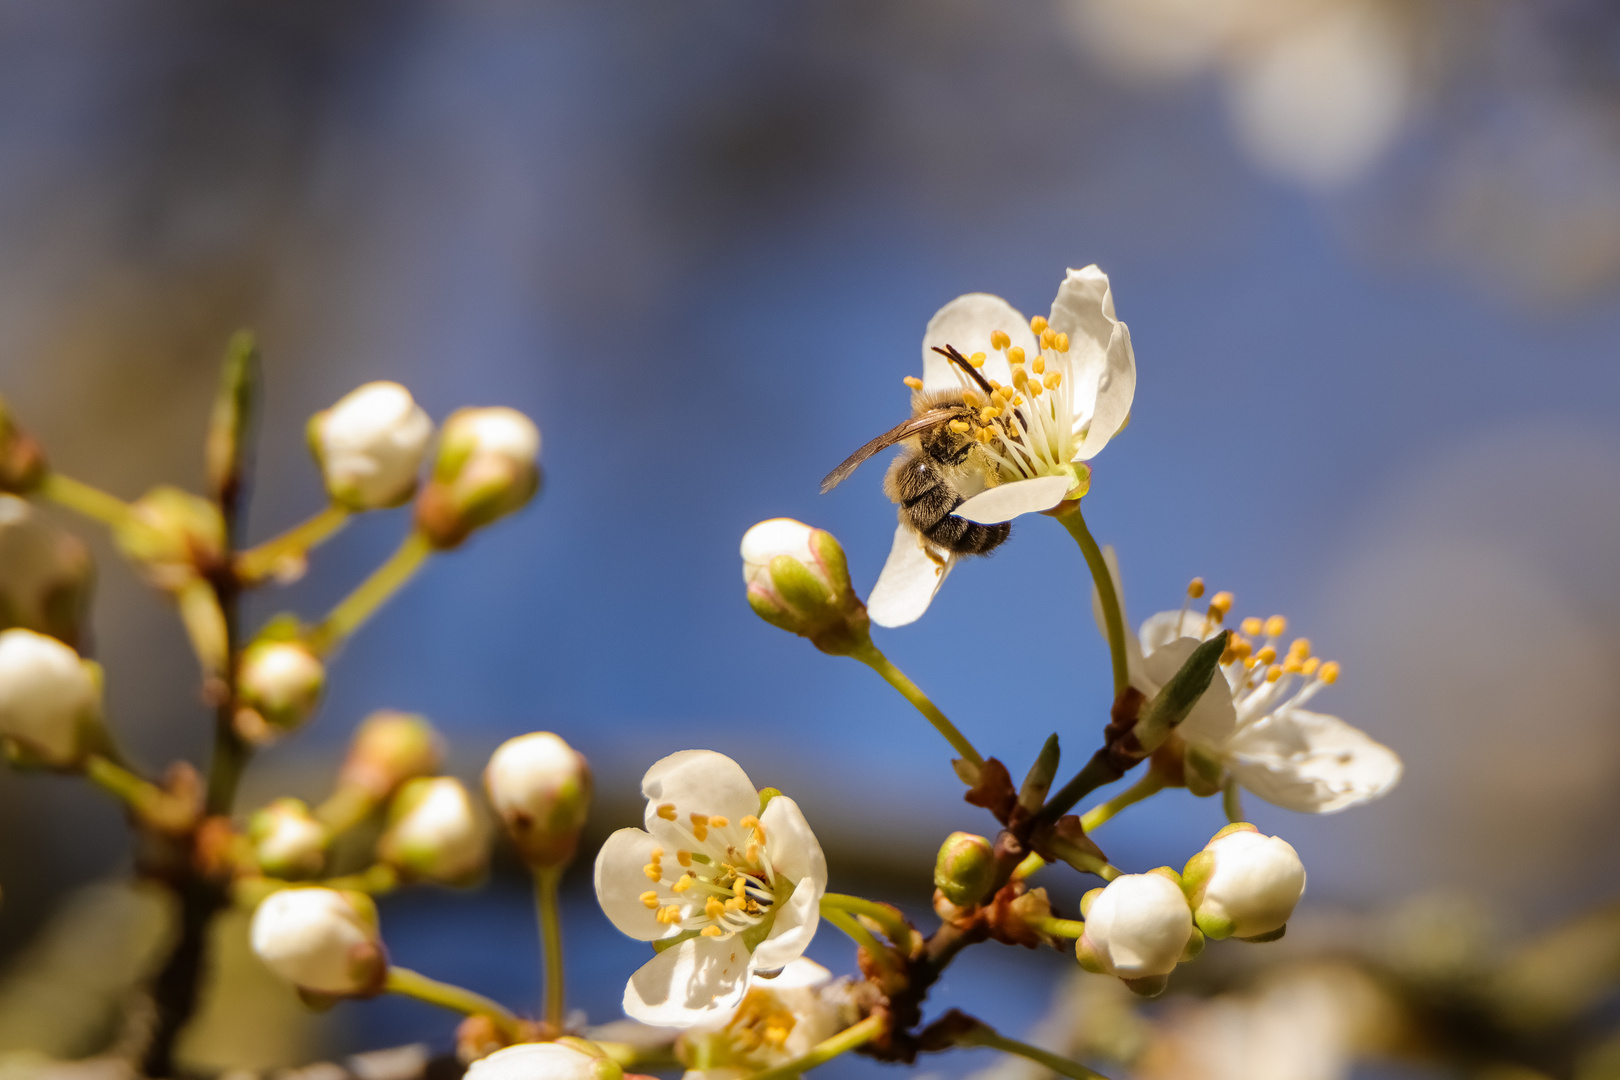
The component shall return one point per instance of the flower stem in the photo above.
(84, 499)
(825, 1051)
(545, 901)
(258, 563)
(1113, 616)
(987, 1036)
(412, 984)
(371, 594)
(870, 655)
(893, 923)
(1069, 928)
(860, 934)
(147, 801)
(1150, 784)
(1232, 801)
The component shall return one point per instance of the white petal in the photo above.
(690, 983)
(1133, 647)
(909, 580)
(1311, 762)
(1116, 389)
(1213, 718)
(967, 323)
(800, 974)
(620, 883)
(1006, 501)
(1102, 366)
(697, 782)
(1159, 629)
(794, 851)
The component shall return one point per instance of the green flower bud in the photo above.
(435, 833)
(278, 685)
(174, 536)
(45, 573)
(965, 868)
(487, 466)
(541, 788)
(388, 749)
(287, 840)
(798, 580)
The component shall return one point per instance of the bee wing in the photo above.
(933, 418)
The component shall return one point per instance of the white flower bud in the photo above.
(173, 536)
(321, 940)
(435, 833)
(541, 788)
(279, 684)
(388, 749)
(1244, 884)
(798, 580)
(565, 1059)
(370, 446)
(1136, 928)
(50, 700)
(287, 840)
(486, 467)
(45, 573)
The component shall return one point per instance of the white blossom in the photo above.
(435, 832)
(541, 788)
(280, 683)
(1137, 927)
(485, 468)
(1244, 884)
(50, 699)
(727, 888)
(288, 841)
(1061, 388)
(370, 446)
(565, 1059)
(778, 1020)
(1254, 725)
(321, 940)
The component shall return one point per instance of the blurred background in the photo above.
(1369, 251)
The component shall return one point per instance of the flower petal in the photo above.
(1102, 365)
(967, 323)
(620, 883)
(800, 974)
(1007, 501)
(1159, 629)
(697, 782)
(1133, 647)
(909, 580)
(1213, 718)
(690, 983)
(1311, 762)
(795, 852)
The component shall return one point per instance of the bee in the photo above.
(941, 457)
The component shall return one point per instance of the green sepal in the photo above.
(1261, 939)
(1032, 795)
(1215, 927)
(1086, 901)
(1088, 958)
(1195, 945)
(833, 562)
(766, 607)
(766, 794)
(799, 587)
(1202, 771)
(1167, 872)
(1195, 874)
(1235, 827)
(1149, 986)
(1175, 700)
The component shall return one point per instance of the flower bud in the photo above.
(1244, 884)
(22, 462)
(173, 536)
(1137, 928)
(541, 788)
(388, 749)
(322, 941)
(565, 1059)
(370, 446)
(287, 840)
(798, 581)
(435, 833)
(965, 868)
(45, 573)
(50, 700)
(279, 684)
(486, 467)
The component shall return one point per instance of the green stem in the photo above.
(142, 796)
(986, 1036)
(1069, 928)
(250, 892)
(412, 984)
(345, 808)
(551, 942)
(893, 923)
(371, 594)
(846, 922)
(1232, 801)
(258, 563)
(825, 1051)
(81, 498)
(871, 656)
(1150, 784)
(1113, 616)
(1097, 772)
(1032, 863)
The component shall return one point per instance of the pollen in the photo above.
(1054, 380)
(1038, 365)
(1037, 325)
(988, 414)
(1221, 602)
(1020, 377)
(1015, 355)
(1330, 672)
(1309, 666)
(713, 908)
(719, 822)
(1034, 388)
(653, 871)
(1276, 626)
(649, 900)
(683, 884)
(712, 931)
(667, 811)
(1266, 655)
(1301, 648)
(1273, 673)
(1252, 626)
(961, 427)
(1195, 588)
(1061, 343)
(913, 382)
(684, 858)
(984, 436)
(740, 886)
(999, 340)
(977, 359)
(1048, 336)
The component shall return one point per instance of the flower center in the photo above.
(1259, 674)
(762, 1022)
(719, 883)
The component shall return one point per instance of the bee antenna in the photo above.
(949, 352)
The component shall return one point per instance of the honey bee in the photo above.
(940, 459)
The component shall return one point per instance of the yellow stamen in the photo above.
(740, 886)
(1015, 355)
(1273, 673)
(713, 908)
(984, 436)
(667, 811)
(1330, 672)
(649, 899)
(1310, 665)
(1020, 377)
(1266, 655)
(1252, 626)
(684, 858)
(1221, 602)
(736, 903)
(999, 340)
(913, 382)
(1276, 626)
(1047, 337)
(961, 427)
(977, 359)
(683, 884)
(719, 822)
(712, 931)
(657, 853)
(1038, 365)
(1245, 648)
(1061, 344)
(1300, 648)
(1037, 325)
(752, 854)
(1053, 380)
(749, 822)
(1292, 666)
(1195, 588)
(653, 871)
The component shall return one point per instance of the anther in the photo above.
(999, 340)
(1061, 343)
(1053, 380)
(1037, 325)
(1034, 388)
(719, 822)
(736, 903)
(684, 858)
(740, 886)
(1245, 648)
(1195, 588)
(1300, 648)
(683, 884)
(1221, 602)
(713, 908)
(984, 436)
(1310, 665)
(913, 382)
(1266, 655)
(657, 853)
(1015, 355)
(1330, 672)
(1291, 665)
(1252, 626)
(1276, 626)
(653, 871)
(712, 931)
(1273, 673)
(649, 899)
(701, 832)
(1020, 377)
(1038, 365)
(667, 811)
(749, 822)
(1047, 337)
(977, 359)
